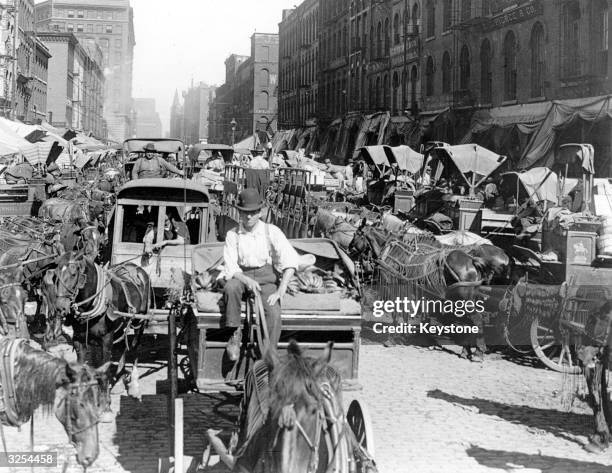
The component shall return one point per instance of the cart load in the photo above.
(321, 305)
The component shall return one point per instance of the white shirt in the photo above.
(259, 162)
(254, 250)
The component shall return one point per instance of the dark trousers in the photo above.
(233, 294)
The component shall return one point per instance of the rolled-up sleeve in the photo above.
(230, 255)
(284, 255)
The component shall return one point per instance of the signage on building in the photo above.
(516, 15)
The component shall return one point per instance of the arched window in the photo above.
(379, 41)
(429, 73)
(406, 20)
(387, 37)
(416, 18)
(396, 29)
(466, 10)
(404, 87)
(265, 77)
(570, 40)
(344, 42)
(510, 66)
(446, 73)
(464, 68)
(378, 92)
(536, 45)
(414, 78)
(486, 77)
(264, 100)
(386, 92)
(370, 93)
(431, 18)
(395, 104)
(447, 14)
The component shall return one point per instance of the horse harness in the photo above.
(4, 320)
(9, 414)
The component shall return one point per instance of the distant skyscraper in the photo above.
(148, 124)
(110, 24)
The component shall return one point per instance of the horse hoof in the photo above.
(595, 447)
(465, 354)
(107, 417)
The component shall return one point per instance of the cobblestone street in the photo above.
(431, 412)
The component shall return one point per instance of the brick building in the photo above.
(110, 24)
(298, 64)
(75, 84)
(249, 94)
(196, 108)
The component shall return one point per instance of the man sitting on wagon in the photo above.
(152, 165)
(254, 255)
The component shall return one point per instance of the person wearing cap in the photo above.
(152, 165)
(256, 255)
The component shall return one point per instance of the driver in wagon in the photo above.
(255, 253)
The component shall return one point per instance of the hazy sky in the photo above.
(181, 40)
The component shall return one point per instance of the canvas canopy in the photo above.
(537, 183)
(406, 158)
(374, 155)
(470, 159)
(581, 153)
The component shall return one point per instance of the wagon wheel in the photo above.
(553, 349)
(358, 419)
(515, 332)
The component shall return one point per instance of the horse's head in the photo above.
(81, 400)
(359, 244)
(12, 303)
(62, 284)
(90, 240)
(300, 387)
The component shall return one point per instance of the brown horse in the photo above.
(84, 295)
(292, 419)
(35, 378)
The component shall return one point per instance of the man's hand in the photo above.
(251, 284)
(159, 246)
(275, 297)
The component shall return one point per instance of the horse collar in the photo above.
(8, 407)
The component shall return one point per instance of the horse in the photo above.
(292, 420)
(594, 356)
(332, 225)
(13, 296)
(33, 378)
(85, 296)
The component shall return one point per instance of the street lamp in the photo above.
(233, 124)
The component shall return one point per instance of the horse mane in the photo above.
(295, 379)
(36, 377)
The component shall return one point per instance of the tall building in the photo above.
(249, 96)
(148, 123)
(298, 64)
(75, 84)
(196, 109)
(176, 118)
(23, 63)
(109, 23)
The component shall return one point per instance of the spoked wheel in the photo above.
(553, 349)
(359, 421)
(515, 335)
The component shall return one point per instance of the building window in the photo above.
(108, 28)
(416, 14)
(601, 36)
(109, 15)
(379, 42)
(464, 68)
(395, 104)
(378, 92)
(429, 73)
(486, 77)
(104, 43)
(80, 14)
(414, 77)
(387, 37)
(466, 10)
(264, 100)
(80, 28)
(264, 77)
(446, 73)
(510, 66)
(396, 30)
(90, 27)
(70, 14)
(70, 27)
(570, 42)
(431, 18)
(536, 44)
(98, 28)
(447, 14)
(386, 92)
